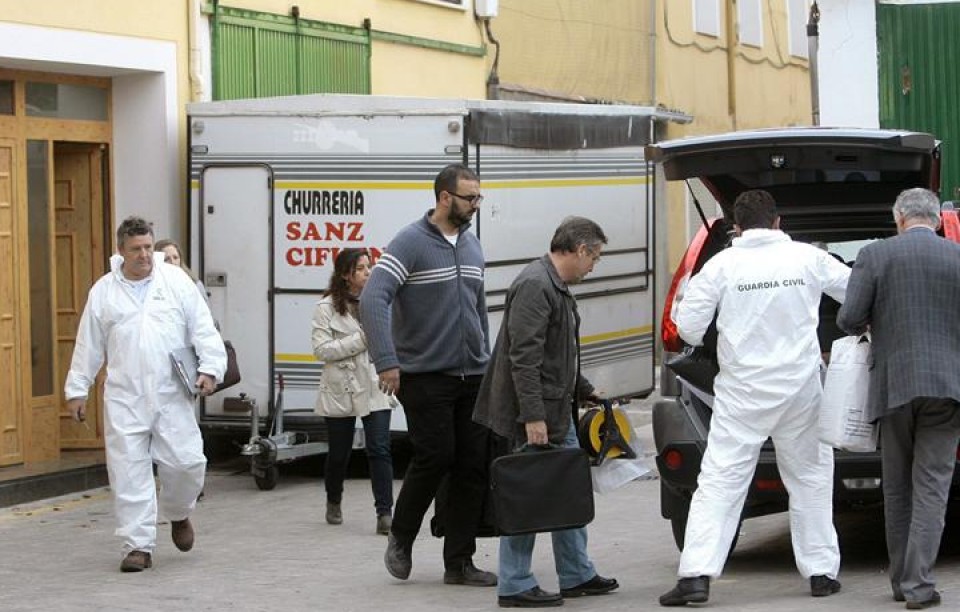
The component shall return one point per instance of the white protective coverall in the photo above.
(148, 415)
(767, 289)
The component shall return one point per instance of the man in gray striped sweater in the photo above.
(425, 318)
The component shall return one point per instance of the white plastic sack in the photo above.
(616, 472)
(843, 422)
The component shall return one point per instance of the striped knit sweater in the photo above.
(430, 295)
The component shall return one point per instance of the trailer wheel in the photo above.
(268, 481)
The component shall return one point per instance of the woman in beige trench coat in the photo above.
(348, 389)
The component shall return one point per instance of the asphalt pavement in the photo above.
(272, 550)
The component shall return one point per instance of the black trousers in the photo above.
(439, 410)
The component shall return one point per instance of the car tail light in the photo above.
(772, 484)
(673, 459)
(668, 329)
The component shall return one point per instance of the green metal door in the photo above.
(919, 82)
(260, 54)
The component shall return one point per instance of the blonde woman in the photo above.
(173, 255)
(349, 389)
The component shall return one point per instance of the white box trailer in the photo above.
(279, 185)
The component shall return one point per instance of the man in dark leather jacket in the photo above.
(528, 393)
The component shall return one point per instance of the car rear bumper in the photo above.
(680, 427)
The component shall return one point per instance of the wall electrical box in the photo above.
(486, 9)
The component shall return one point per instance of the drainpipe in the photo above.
(295, 13)
(731, 23)
(194, 12)
(653, 55)
(813, 46)
(493, 80)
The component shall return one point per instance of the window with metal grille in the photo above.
(258, 55)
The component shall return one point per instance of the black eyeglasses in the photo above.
(472, 199)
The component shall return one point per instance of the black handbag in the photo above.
(697, 366)
(538, 490)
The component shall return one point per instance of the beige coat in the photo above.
(349, 384)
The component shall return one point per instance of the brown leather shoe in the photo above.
(182, 533)
(136, 561)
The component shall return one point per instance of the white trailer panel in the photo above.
(280, 185)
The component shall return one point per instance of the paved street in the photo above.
(272, 550)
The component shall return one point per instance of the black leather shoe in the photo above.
(534, 598)
(397, 559)
(468, 574)
(927, 603)
(598, 585)
(334, 514)
(822, 586)
(688, 590)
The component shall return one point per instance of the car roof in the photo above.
(828, 182)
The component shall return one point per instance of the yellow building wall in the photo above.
(573, 48)
(398, 69)
(438, 74)
(696, 73)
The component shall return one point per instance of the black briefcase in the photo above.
(537, 490)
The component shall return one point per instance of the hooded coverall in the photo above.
(767, 289)
(148, 415)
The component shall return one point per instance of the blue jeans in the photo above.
(569, 554)
(376, 433)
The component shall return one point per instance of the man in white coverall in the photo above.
(767, 289)
(135, 316)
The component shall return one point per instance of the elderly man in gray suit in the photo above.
(904, 289)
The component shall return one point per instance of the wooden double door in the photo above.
(54, 244)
